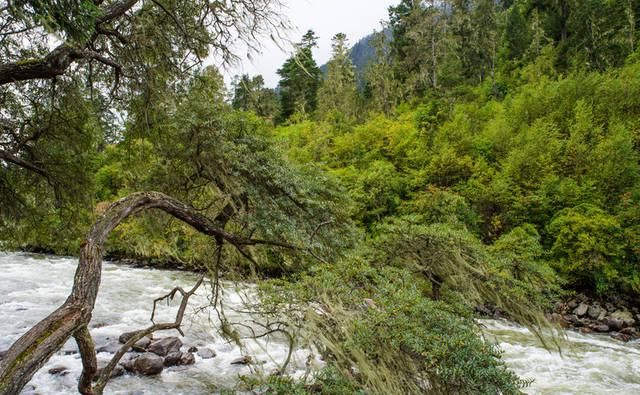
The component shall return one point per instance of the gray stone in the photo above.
(206, 353)
(142, 344)
(173, 358)
(187, 358)
(581, 309)
(625, 316)
(2, 354)
(245, 360)
(615, 323)
(126, 336)
(602, 328)
(117, 371)
(165, 346)
(59, 371)
(594, 311)
(193, 349)
(110, 348)
(148, 364)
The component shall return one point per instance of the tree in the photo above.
(300, 79)
(339, 92)
(382, 89)
(250, 94)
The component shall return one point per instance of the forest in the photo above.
(484, 159)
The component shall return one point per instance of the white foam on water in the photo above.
(33, 286)
(589, 364)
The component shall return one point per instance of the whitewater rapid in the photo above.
(32, 286)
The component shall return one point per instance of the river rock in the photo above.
(622, 337)
(594, 311)
(110, 348)
(59, 371)
(148, 364)
(573, 320)
(187, 358)
(581, 309)
(116, 372)
(625, 316)
(173, 358)
(206, 353)
(193, 349)
(142, 344)
(126, 336)
(165, 346)
(602, 328)
(631, 331)
(244, 360)
(615, 323)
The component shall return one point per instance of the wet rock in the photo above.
(622, 337)
(110, 348)
(59, 371)
(193, 349)
(573, 320)
(142, 344)
(187, 358)
(594, 311)
(625, 316)
(206, 353)
(165, 346)
(586, 330)
(148, 364)
(602, 328)
(128, 335)
(244, 360)
(615, 323)
(116, 372)
(629, 331)
(581, 309)
(173, 358)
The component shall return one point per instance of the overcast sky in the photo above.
(355, 18)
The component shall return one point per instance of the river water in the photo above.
(32, 286)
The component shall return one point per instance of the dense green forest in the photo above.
(487, 154)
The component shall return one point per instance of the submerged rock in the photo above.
(245, 360)
(59, 371)
(165, 346)
(206, 353)
(187, 358)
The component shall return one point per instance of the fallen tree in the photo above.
(33, 349)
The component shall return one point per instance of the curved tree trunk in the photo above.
(33, 349)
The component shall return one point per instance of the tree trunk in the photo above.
(33, 349)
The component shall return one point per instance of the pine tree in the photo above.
(300, 80)
(339, 92)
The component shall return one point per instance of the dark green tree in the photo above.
(300, 79)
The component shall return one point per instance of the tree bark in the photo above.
(33, 349)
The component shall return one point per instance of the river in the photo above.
(32, 286)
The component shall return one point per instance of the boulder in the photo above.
(615, 323)
(193, 349)
(142, 344)
(126, 336)
(602, 328)
(631, 331)
(59, 371)
(165, 346)
(110, 348)
(244, 360)
(594, 311)
(622, 337)
(625, 316)
(187, 358)
(173, 358)
(581, 309)
(573, 319)
(206, 353)
(148, 364)
(116, 372)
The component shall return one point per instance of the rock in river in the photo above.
(165, 346)
(206, 353)
(148, 364)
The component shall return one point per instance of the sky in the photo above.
(355, 18)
